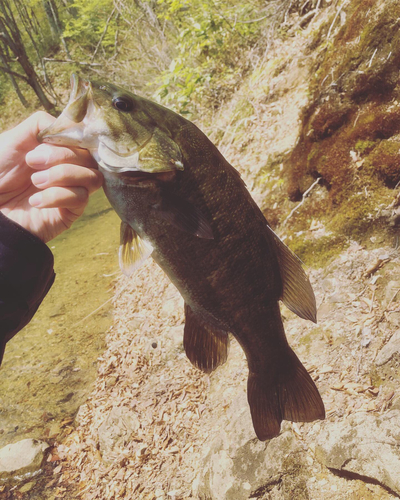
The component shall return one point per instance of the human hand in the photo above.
(48, 201)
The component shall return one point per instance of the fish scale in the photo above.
(182, 202)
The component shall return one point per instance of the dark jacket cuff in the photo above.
(26, 275)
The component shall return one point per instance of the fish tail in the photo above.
(286, 393)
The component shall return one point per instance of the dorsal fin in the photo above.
(133, 251)
(297, 295)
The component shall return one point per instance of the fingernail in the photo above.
(36, 199)
(39, 156)
(40, 177)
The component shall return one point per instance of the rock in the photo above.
(27, 487)
(363, 445)
(337, 298)
(116, 431)
(237, 466)
(21, 458)
(393, 319)
(391, 349)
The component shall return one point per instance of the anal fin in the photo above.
(205, 346)
(133, 251)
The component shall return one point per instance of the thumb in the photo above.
(24, 135)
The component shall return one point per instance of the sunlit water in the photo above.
(50, 366)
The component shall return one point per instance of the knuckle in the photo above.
(96, 179)
(61, 172)
(82, 195)
(40, 115)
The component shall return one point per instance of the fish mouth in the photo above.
(68, 129)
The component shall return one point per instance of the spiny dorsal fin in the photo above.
(297, 295)
(205, 346)
(133, 251)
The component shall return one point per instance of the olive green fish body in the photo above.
(182, 202)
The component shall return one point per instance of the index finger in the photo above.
(48, 155)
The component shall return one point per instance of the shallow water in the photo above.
(49, 367)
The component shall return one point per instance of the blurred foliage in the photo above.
(182, 53)
(210, 40)
(85, 23)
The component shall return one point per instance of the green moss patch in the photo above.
(350, 134)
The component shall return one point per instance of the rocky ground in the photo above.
(156, 428)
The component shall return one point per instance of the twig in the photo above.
(103, 34)
(307, 17)
(100, 307)
(375, 266)
(18, 75)
(69, 61)
(387, 307)
(334, 21)
(372, 301)
(372, 58)
(252, 20)
(305, 194)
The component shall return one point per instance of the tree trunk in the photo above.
(11, 38)
(14, 82)
(55, 23)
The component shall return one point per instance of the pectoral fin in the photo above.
(133, 251)
(297, 295)
(183, 215)
(205, 346)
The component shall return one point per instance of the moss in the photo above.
(353, 107)
(376, 379)
(307, 339)
(364, 147)
(327, 119)
(317, 253)
(384, 162)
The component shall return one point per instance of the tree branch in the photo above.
(103, 34)
(71, 61)
(8, 71)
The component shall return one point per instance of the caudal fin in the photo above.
(287, 394)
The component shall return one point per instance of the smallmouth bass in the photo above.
(181, 202)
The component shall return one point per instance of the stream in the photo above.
(49, 367)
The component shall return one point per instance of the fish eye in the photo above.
(122, 104)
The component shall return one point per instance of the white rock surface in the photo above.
(21, 458)
(237, 466)
(365, 445)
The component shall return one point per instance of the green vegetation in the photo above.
(350, 128)
(183, 53)
(195, 56)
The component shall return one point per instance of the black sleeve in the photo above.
(26, 275)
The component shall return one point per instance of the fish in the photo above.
(180, 201)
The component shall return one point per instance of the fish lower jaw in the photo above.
(136, 177)
(119, 170)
